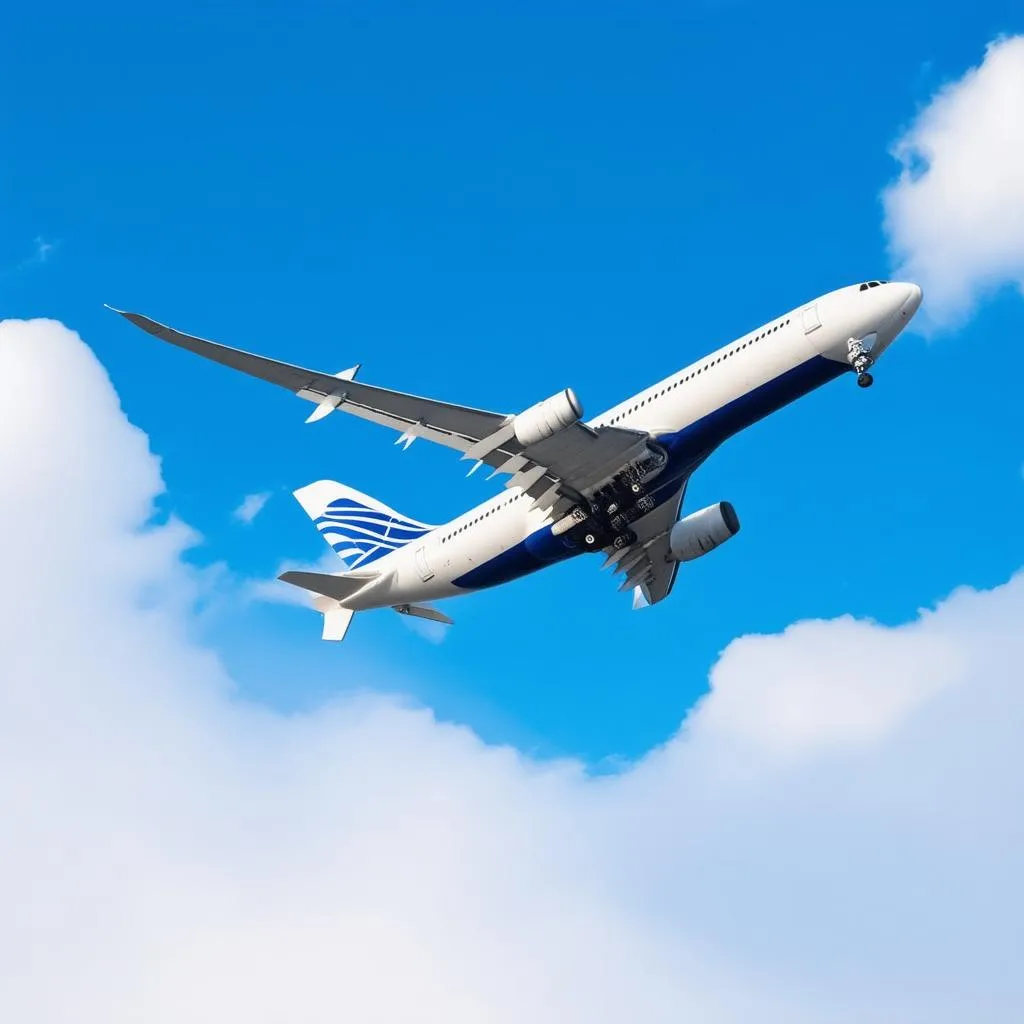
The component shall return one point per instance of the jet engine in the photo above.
(703, 531)
(547, 418)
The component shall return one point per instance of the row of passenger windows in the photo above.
(473, 522)
(706, 366)
(650, 398)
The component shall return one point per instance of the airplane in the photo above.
(614, 484)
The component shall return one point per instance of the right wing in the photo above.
(572, 462)
(646, 563)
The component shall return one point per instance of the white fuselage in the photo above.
(690, 413)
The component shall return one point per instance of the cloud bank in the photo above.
(955, 216)
(251, 506)
(835, 833)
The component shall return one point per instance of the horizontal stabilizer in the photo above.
(423, 611)
(339, 588)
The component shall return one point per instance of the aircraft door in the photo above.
(811, 319)
(422, 565)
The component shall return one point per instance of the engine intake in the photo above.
(703, 531)
(547, 418)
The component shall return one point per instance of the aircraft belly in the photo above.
(535, 552)
(414, 590)
(710, 430)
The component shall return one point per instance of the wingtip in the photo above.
(114, 309)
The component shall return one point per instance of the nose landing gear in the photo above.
(861, 362)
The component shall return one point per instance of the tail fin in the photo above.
(358, 527)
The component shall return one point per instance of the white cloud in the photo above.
(43, 248)
(41, 252)
(826, 686)
(835, 834)
(955, 217)
(252, 505)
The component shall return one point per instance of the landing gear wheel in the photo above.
(590, 540)
(623, 540)
(635, 488)
(860, 359)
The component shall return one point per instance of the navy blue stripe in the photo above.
(707, 433)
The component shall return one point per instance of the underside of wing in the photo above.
(646, 565)
(547, 451)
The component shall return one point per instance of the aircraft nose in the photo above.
(912, 300)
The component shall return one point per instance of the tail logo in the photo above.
(361, 534)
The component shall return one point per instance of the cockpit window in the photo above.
(871, 284)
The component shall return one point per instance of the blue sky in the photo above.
(487, 206)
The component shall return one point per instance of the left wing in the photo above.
(646, 562)
(573, 462)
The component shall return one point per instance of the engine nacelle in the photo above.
(547, 418)
(703, 531)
